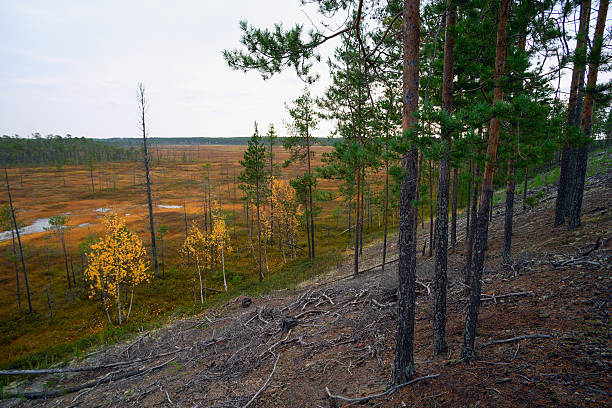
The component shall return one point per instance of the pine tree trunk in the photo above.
(420, 172)
(259, 232)
(467, 208)
(403, 365)
(361, 218)
(507, 254)
(472, 233)
(386, 216)
(469, 334)
(441, 232)
(431, 209)
(576, 194)
(566, 177)
(525, 189)
(357, 224)
(454, 210)
(312, 227)
(440, 261)
(307, 229)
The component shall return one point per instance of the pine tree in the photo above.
(304, 121)
(255, 181)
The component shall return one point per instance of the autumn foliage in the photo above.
(116, 261)
(287, 213)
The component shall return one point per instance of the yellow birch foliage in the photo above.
(287, 210)
(196, 243)
(219, 237)
(117, 258)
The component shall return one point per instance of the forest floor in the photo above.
(338, 332)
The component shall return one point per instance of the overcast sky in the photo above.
(73, 67)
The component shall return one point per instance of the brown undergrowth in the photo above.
(338, 332)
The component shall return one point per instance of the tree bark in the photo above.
(258, 229)
(357, 224)
(441, 232)
(472, 232)
(507, 254)
(403, 365)
(312, 227)
(386, 216)
(454, 209)
(469, 198)
(573, 115)
(525, 189)
(431, 212)
(469, 334)
(576, 194)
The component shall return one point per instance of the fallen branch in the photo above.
(213, 290)
(94, 383)
(80, 369)
(382, 394)
(378, 266)
(527, 336)
(308, 312)
(425, 286)
(494, 297)
(344, 231)
(265, 384)
(594, 248)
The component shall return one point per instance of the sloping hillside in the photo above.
(338, 332)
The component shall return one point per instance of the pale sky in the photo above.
(73, 67)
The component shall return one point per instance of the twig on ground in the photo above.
(265, 384)
(527, 336)
(382, 394)
(494, 297)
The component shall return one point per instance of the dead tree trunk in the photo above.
(142, 104)
(16, 226)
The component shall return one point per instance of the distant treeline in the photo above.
(187, 141)
(57, 150)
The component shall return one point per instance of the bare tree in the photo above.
(142, 106)
(15, 225)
